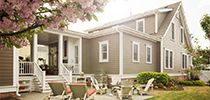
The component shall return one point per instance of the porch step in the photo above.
(51, 78)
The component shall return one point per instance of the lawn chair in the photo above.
(59, 91)
(79, 90)
(146, 87)
(126, 90)
(99, 89)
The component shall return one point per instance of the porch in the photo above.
(50, 54)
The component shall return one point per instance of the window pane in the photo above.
(173, 34)
(140, 26)
(104, 56)
(183, 61)
(135, 52)
(182, 35)
(167, 59)
(104, 47)
(76, 54)
(148, 54)
(171, 59)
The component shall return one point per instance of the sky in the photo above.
(118, 9)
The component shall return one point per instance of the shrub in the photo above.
(163, 78)
(191, 83)
(208, 82)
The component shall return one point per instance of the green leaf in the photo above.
(95, 17)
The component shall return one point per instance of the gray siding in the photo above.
(6, 67)
(133, 68)
(176, 46)
(91, 62)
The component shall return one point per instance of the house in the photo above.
(156, 40)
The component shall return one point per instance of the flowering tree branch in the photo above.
(34, 26)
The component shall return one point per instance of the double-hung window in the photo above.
(104, 51)
(140, 25)
(182, 35)
(169, 62)
(76, 50)
(135, 52)
(148, 54)
(172, 31)
(184, 61)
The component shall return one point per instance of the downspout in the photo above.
(161, 55)
(121, 67)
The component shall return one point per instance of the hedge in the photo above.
(191, 83)
(163, 78)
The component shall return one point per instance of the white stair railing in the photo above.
(73, 67)
(40, 75)
(66, 74)
(26, 68)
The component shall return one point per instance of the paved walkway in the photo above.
(43, 96)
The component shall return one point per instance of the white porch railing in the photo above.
(26, 68)
(73, 67)
(66, 74)
(40, 75)
(31, 68)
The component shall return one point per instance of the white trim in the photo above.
(137, 24)
(138, 51)
(121, 53)
(100, 52)
(80, 54)
(169, 58)
(5, 89)
(156, 23)
(149, 46)
(60, 53)
(162, 10)
(35, 47)
(176, 74)
(173, 33)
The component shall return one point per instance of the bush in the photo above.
(208, 82)
(191, 83)
(162, 78)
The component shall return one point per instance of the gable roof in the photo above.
(164, 9)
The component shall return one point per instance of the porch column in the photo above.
(35, 47)
(60, 53)
(68, 50)
(80, 54)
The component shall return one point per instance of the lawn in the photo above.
(189, 93)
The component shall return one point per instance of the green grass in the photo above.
(189, 93)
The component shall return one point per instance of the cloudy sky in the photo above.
(117, 9)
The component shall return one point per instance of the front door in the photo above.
(53, 60)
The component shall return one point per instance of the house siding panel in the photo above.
(176, 46)
(6, 67)
(86, 68)
(92, 65)
(134, 68)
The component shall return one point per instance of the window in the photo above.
(140, 25)
(76, 54)
(182, 35)
(184, 61)
(149, 54)
(169, 62)
(135, 52)
(104, 51)
(173, 33)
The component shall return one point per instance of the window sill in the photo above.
(173, 40)
(169, 68)
(149, 63)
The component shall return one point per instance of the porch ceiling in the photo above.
(47, 38)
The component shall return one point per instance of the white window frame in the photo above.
(137, 24)
(138, 51)
(169, 58)
(149, 46)
(185, 62)
(173, 31)
(181, 35)
(100, 51)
